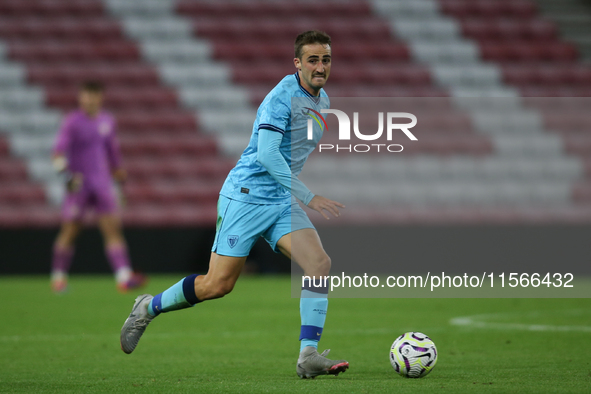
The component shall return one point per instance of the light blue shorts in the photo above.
(241, 224)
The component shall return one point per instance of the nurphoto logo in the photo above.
(392, 125)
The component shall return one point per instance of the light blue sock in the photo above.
(179, 296)
(313, 307)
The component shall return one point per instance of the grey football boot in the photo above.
(136, 323)
(312, 364)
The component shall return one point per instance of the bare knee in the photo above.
(111, 229)
(67, 235)
(216, 288)
(324, 264)
(223, 288)
(114, 240)
(321, 266)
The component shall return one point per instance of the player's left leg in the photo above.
(295, 237)
(116, 251)
(304, 247)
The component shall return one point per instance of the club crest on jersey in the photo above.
(232, 240)
(104, 128)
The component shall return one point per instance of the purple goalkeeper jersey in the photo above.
(90, 146)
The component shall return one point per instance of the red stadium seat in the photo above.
(528, 52)
(582, 193)
(579, 144)
(120, 101)
(491, 29)
(157, 145)
(146, 214)
(3, 147)
(142, 99)
(266, 10)
(170, 121)
(71, 75)
(12, 170)
(51, 8)
(67, 29)
(285, 29)
(548, 75)
(56, 52)
(197, 168)
(22, 193)
(36, 215)
(580, 76)
(486, 8)
(173, 193)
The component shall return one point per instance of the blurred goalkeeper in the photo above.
(87, 154)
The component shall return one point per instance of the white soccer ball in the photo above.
(413, 355)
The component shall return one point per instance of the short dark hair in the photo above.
(92, 86)
(310, 37)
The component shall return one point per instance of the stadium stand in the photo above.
(453, 38)
(55, 45)
(185, 77)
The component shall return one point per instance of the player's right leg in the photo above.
(63, 251)
(73, 209)
(220, 280)
(239, 225)
(116, 251)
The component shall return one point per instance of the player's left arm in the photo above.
(321, 204)
(270, 157)
(114, 155)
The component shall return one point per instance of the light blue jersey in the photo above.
(285, 110)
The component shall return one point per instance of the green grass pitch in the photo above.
(247, 342)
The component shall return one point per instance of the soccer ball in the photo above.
(413, 355)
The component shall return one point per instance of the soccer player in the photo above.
(87, 153)
(256, 201)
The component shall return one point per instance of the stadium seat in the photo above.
(528, 52)
(4, 149)
(11, 170)
(71, 75)
(266, 10)
(53, 52)
(485, 8)
(21, 193)
(74, 8)
(63, 28)
(123, 100)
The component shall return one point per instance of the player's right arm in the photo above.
(59, 157)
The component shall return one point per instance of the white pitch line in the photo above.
(476, 321)
(223, 334)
